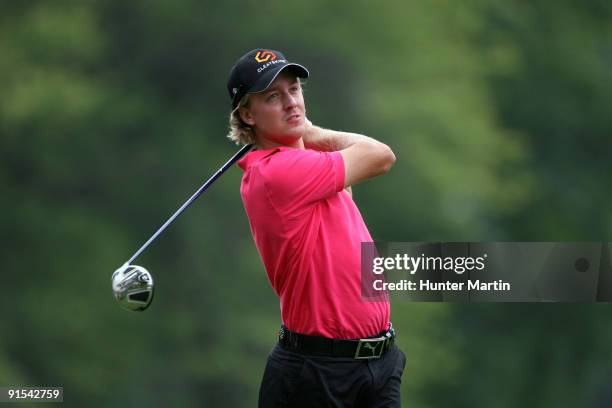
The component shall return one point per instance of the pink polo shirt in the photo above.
(308, 232)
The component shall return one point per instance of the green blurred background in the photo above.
(113, 112)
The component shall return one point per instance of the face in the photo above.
(277, 114)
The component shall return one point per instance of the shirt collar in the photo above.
(255, 155)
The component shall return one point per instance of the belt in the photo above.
(359, 349)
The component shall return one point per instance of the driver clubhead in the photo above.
(133, 287)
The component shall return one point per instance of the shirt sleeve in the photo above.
(299, 178)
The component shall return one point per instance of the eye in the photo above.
(294, 88)
(272, 96)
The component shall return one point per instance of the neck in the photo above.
(264, 144)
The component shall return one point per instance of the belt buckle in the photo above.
(370, 345)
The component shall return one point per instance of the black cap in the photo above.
(256, 70)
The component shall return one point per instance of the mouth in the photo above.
(294, 117)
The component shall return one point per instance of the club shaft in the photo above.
(194, 197)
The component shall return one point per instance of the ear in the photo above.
(246, 116)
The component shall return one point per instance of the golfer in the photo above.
(334, 349)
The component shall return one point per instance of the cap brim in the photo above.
(266, 80)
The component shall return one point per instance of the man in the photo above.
(335, 349)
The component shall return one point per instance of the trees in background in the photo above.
(112, 113)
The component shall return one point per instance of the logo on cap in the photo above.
(263, 56)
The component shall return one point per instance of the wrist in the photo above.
(312, 136)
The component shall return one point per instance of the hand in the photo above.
(308, 124)
(323, 140)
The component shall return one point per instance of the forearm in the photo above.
(327, 140)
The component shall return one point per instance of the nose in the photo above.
(290, 100)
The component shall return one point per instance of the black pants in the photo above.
(293, 379)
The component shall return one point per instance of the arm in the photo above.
(363, 156)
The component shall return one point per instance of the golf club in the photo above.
(133, 285)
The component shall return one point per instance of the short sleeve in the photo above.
(298, 178)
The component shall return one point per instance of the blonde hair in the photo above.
(240, 132)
